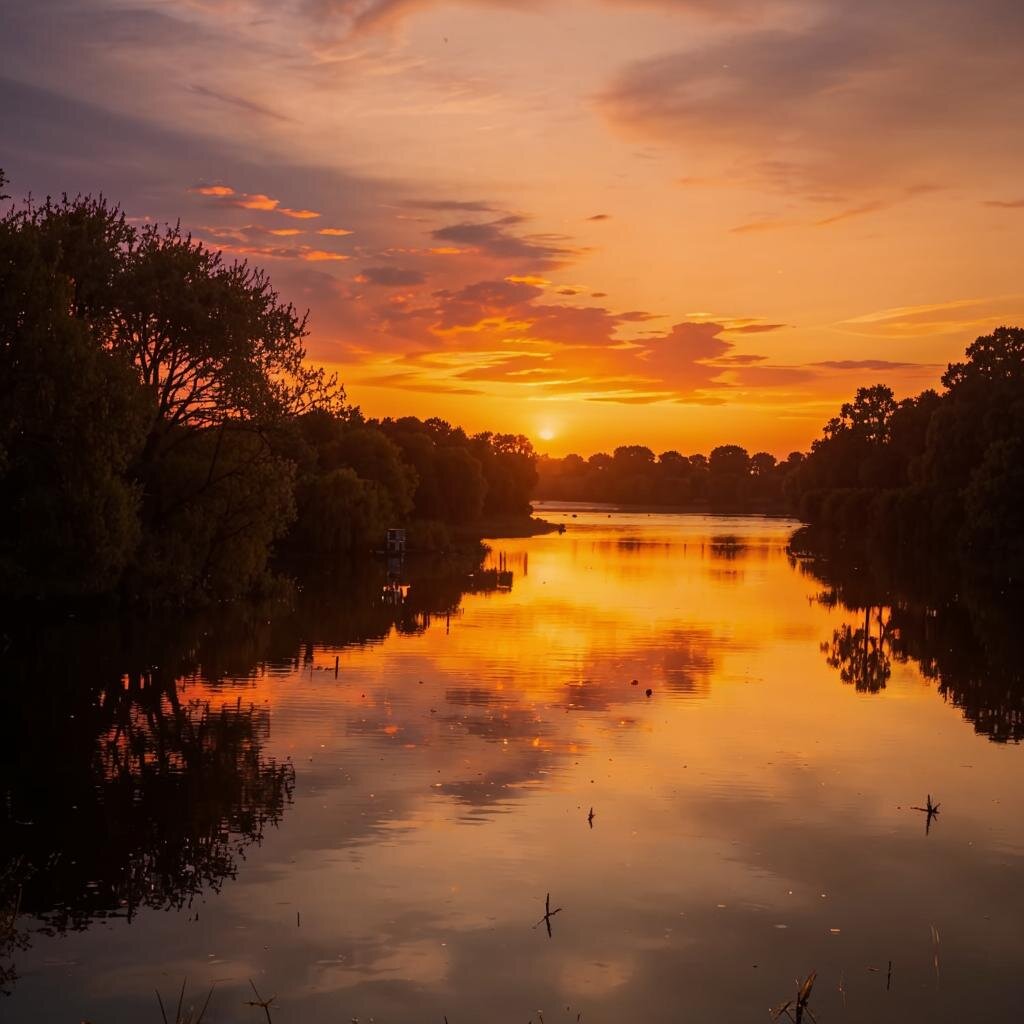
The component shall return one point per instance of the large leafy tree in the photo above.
(146, 385)
(939, 473)
(211, 341)
(72, 420)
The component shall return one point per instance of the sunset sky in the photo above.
(670, 222)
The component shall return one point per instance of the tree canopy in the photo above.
(941, 471)
(163, 434)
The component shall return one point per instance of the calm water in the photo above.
(218, 803)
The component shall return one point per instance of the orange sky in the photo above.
(671, 222)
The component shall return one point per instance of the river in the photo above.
(705, 751)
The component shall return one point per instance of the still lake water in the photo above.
(218, 803)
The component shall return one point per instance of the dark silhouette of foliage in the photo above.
(939, 472)
(908, 606)
(71, 422)
(162, 434)
(861, 653)
(730, 480)
(123, 786)
(463, 478)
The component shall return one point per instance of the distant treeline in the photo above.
(162, 436)
(730, 479)
(940, 475)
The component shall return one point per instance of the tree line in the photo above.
(939, 476)
(163, 437)
(729, 479)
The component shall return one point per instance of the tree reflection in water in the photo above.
(863, 654)
(120, 791)
(136, 799)
(959, 634)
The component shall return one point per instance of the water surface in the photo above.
(375, 841)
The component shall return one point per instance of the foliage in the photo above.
(219, 501)
(340, 513)
(462, 478)
(162, 433)
(939, 472)
(730, 479)
(71, 422)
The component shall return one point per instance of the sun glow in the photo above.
(547, 433)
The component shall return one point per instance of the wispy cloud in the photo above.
(843, 96)
(854, 211)
(391, 277)
(872, 364)
(493, 239)
(225, 196)
(240, 103)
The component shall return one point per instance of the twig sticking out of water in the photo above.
(263, 1004)
(590, 818)
(794, 1010)
(888, 980)
(188, 1018)
(548, 914)
(932, 810)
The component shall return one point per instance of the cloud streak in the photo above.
(842, 97)
(226, 196)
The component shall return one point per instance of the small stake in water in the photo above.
(590, 818)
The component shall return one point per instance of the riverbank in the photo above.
(509, 527)
(774, 509)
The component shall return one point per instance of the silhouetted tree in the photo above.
(729, 480)
(71, 423)
(937, 472)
